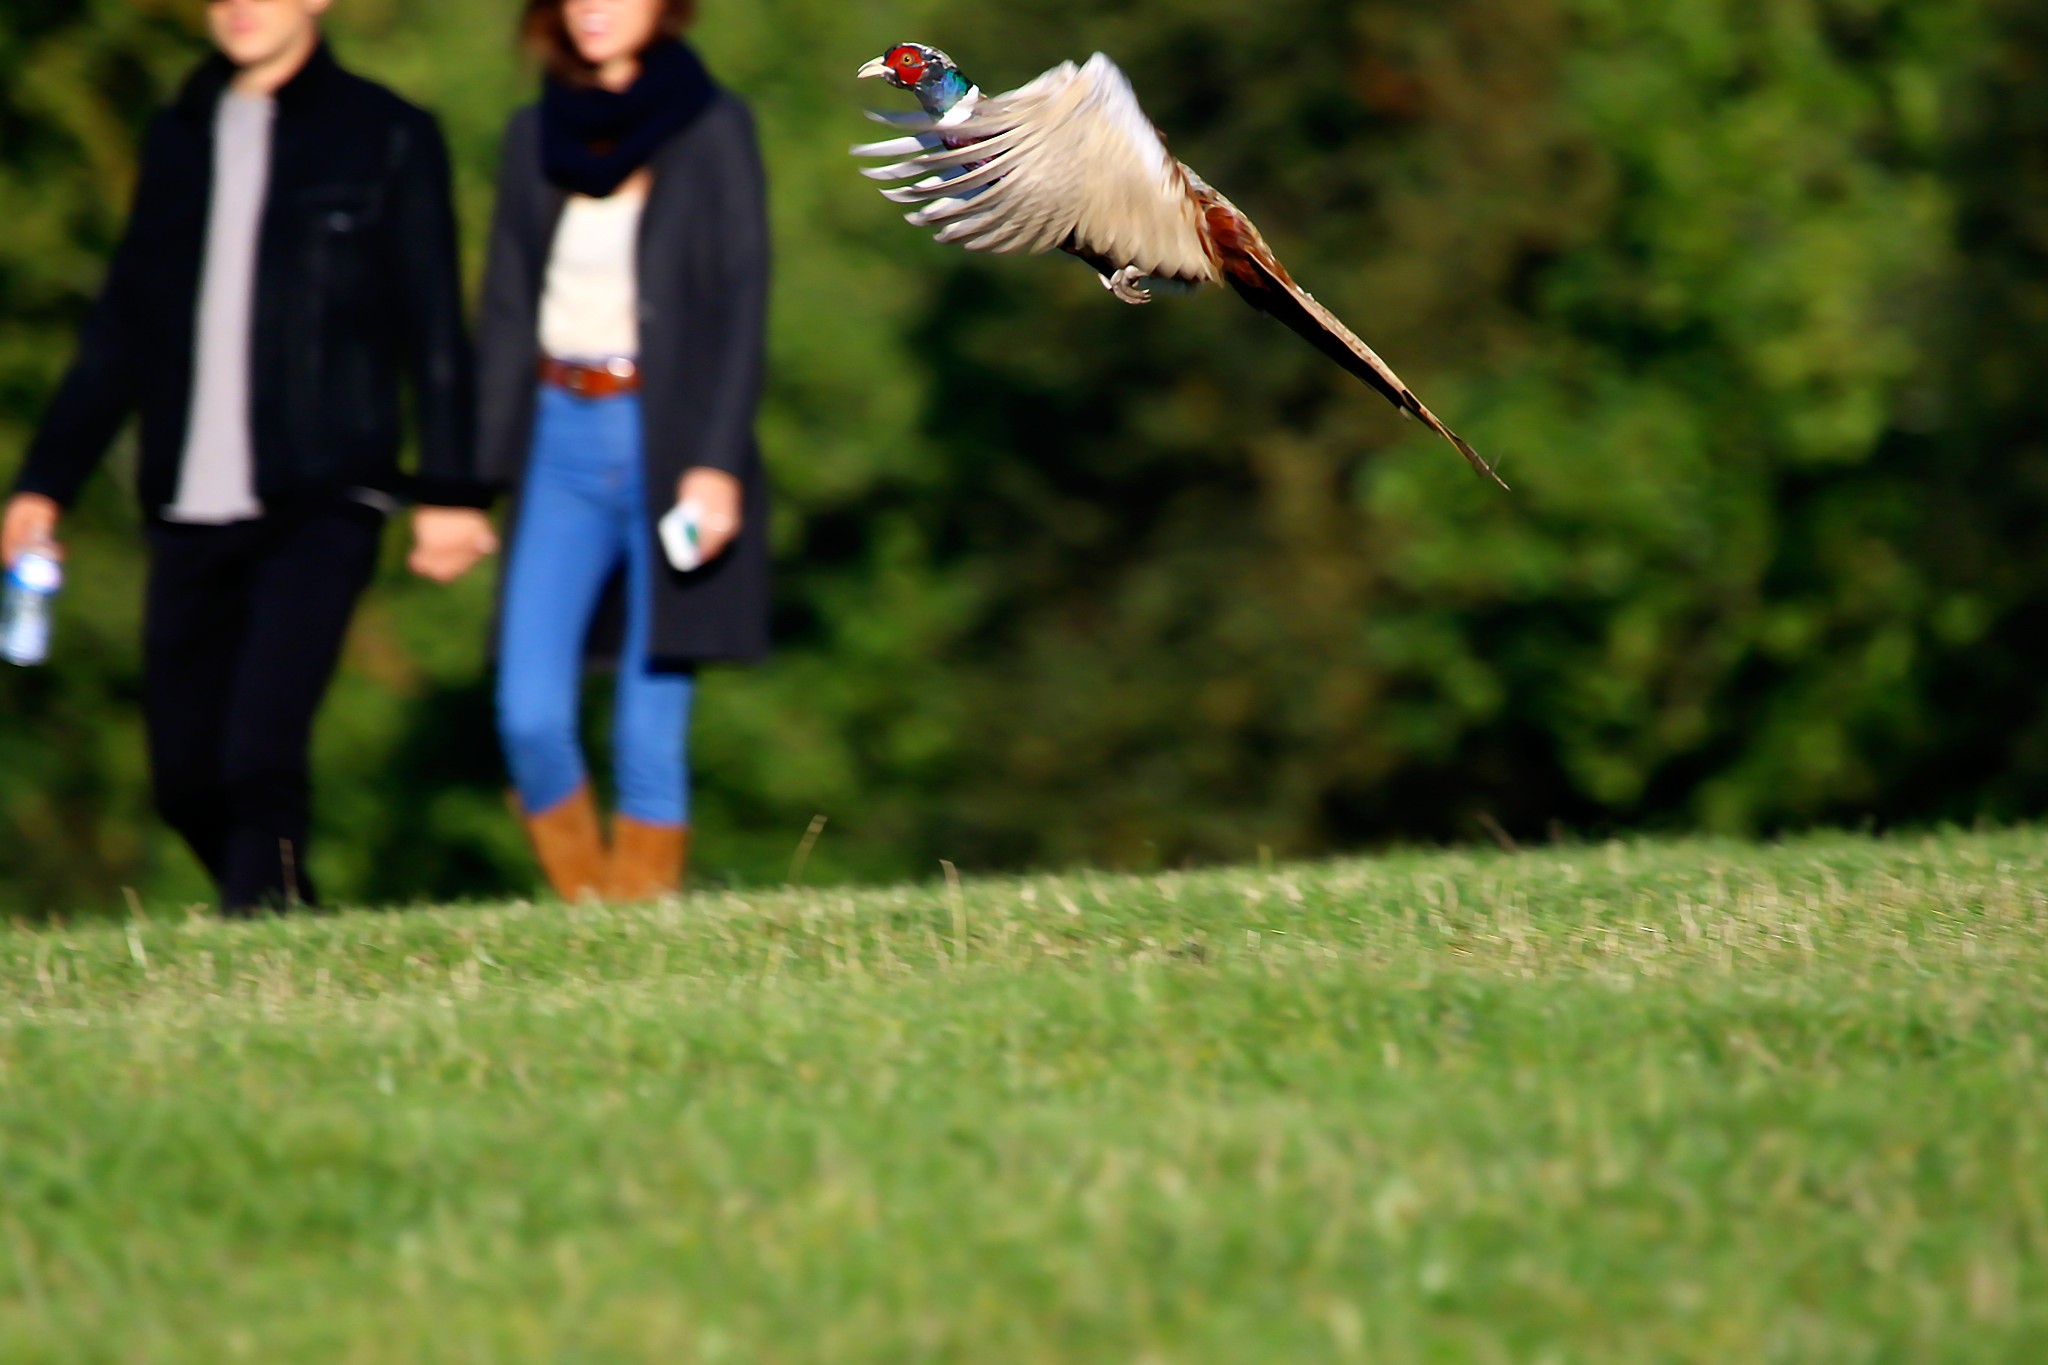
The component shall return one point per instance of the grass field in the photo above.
(1640, 1102)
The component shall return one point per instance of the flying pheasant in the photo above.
(1070, 161)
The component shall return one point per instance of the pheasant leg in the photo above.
(1127, 285)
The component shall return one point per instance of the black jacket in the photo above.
(357, 286)
(703, 262)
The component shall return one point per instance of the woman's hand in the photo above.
(447, 542)
(30, 518)
(717, 495)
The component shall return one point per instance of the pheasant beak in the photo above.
(877, 67)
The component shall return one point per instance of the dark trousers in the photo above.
(242, 632)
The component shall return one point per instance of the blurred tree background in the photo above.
(1749, 296)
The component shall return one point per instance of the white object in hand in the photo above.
(682, 538)
(32, 586)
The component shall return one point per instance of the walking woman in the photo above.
(620, 362)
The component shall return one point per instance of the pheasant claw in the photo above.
(1125, 284)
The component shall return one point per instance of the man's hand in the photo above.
(31, 517)
(448, 541)
(717, 495)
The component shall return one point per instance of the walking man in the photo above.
(289, 266)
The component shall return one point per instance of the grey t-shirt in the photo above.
(217, 476)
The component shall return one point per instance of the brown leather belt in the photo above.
(607, 379)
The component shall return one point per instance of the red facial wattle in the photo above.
(908, 64)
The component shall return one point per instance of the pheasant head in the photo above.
(925, 72)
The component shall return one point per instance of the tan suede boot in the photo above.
(647, 860)
(570, 846)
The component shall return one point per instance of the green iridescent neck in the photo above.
(948, 90)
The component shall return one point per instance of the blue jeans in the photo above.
(581, 515)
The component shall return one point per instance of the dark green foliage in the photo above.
(1750, 298)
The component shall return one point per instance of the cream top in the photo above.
(590, 307)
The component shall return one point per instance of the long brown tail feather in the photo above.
(1259, 278)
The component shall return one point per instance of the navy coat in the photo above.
(703, 323)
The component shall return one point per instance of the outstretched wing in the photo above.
(1258, 277)
(1069, 160)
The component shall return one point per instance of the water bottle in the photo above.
(32, 586)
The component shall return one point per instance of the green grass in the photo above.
(1643, 1102)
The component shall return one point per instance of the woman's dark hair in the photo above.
(545, 31)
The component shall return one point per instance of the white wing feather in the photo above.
(1068, 159)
